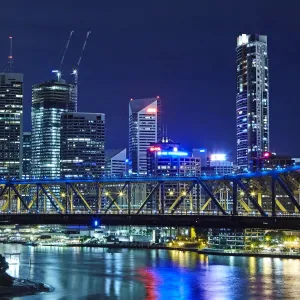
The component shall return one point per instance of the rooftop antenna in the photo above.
(167, 140)
(10, 63)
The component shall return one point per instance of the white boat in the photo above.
(12, 258)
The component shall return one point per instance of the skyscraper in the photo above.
(144, 128)
(26, 155)
(252, 99)
(49, 100)
(115, 162)
(82, 144)
(11, 111)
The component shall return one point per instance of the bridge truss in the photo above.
(266, 194)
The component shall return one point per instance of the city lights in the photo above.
(152, 149)
(151, 110)
(174, 153)
(220, 157)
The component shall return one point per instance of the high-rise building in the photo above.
(26, 155)
(218, 164)
(144, 129)
(11, 112)
(115, 162)
(166, 158)
(202, 154)
(252, 99)
(49, 100)
(82, 144)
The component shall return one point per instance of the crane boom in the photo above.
(66, 49)
(83, 47)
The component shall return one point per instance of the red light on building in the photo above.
(152, 149)
(267, 155)
(151, 110)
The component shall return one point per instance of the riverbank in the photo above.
(249, 253)
(24, 287)
(156, 247)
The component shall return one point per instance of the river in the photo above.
(129, 274)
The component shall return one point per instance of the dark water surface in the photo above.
(96, 273)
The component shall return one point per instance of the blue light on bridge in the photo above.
(96, 222)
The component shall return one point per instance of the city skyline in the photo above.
(155, 67)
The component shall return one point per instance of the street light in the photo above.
(242, 193)
(106, 193)
(63, 195)
(171, 193)
(121, 194)
(184, 193)
(252, 194)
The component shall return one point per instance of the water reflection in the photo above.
(96, 273)
(14, 270)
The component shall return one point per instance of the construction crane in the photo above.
(75, 71)
(58, 72)
(10, 62)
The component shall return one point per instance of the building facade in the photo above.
(11, 112)
(166, 158)
(49, 100)
(82, 145)
(252, 99)
(26, 155)
(144, 129)
(234, 239)
(219, 164)
(116, 162)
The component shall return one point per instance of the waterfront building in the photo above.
(26, 155)
(167, 158)
(11, 112)
(82, 144)
(234, 239)
(115, 162)
(49, 100)
(252, 99)
(144, 129)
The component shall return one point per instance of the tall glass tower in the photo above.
(11, 111)
(144, 129)
(49, 100)
(252, 100)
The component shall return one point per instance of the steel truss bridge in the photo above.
(265, 199)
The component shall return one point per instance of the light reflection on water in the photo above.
(96, 273)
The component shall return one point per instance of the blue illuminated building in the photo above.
(202, 154)
(252, 99)
(168, 158)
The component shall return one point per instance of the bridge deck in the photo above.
(204, 221)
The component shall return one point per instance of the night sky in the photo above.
(183, 51)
